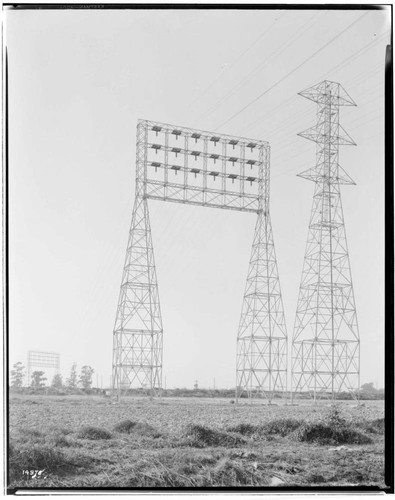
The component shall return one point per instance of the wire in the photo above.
(361, 76)
(262, 35)
(296, 117)
(333, 69)
(356, 54)
(288, 158)
(292, 71)
(262, 65)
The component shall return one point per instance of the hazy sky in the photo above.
(78, 82)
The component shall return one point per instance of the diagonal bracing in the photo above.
(325, 347)
(262, 336)
(202, 168)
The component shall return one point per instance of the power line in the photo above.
(288, 158)
(262, 65)
(262, 35)
(363, 75)
(369, 46)
(283, 157)
(292, 71)
(297, 116)
(356, 54)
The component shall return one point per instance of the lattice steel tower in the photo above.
(137, 341)
(208, 169)
(262, 338)
(325, 347)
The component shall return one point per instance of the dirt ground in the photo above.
(76, 441)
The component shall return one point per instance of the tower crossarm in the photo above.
(326, 331)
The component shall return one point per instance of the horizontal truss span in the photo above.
(202, 168)
(205, 204)
(212, 173)
(193, 167)
(201, 134)
(235, 194)
(201, 154)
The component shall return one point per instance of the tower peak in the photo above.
(322, 90)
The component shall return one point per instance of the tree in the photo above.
(38, 380)
(57, 381)
(72, 380)
(86, 377)
(369, 387)
(17, 374)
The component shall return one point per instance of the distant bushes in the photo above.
(330, 430)
(186, 393)
(333, 429)
(321, 433)
(376, 426)
(200, 436)
(282, 426)
(138, 428)
(93, 433)
(56, 391)
(126, 426)
(244, 429)
(199, 393)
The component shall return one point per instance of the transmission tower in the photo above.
(325, 347)
(137, 341)
(262, 336)
(208, 169)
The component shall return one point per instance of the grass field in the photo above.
(85, 441)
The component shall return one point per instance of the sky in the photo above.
(78, 82)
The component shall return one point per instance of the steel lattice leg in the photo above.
(137, 342)
(262, 336)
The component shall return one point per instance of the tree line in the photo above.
(38, 379)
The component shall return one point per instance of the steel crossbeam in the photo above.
(195, 167)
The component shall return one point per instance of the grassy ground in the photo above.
(79, 441)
